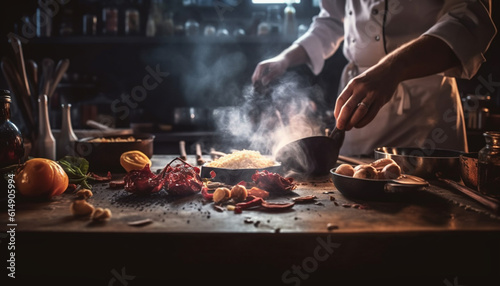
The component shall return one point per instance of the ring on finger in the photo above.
(364, 104)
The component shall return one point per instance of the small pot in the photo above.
(192, 118)
(105, 156)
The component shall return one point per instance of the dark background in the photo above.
(203, 72)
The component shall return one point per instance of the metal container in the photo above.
(469, 169)
(424, 163)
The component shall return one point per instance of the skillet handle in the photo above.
(396, 188)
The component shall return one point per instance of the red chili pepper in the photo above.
(277, 206)
(206, 194)
(252, 203)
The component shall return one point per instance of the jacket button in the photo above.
(374, 11)
(377, 38)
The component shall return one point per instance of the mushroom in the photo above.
(365, 172)
(345, 169)
(381, 163)
(391, 171)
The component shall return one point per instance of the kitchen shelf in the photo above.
(142, 40)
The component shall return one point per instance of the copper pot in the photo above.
(469, 169)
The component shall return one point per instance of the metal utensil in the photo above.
(15, 84)
(32, 71)
(19, 55)
(182, 149)
(47, 73)
(491, 203)
(199, 155)
(61, 68)
(314, 155)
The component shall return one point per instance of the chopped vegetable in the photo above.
(134, 160)
(76, 168)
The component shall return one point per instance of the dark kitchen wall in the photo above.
(202, 71)
(106, 69)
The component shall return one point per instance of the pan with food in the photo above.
(379, 180)
(238, 166)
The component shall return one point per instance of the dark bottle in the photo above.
(489, 165)
(11, 140)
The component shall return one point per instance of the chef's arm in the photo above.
(272, 68)
(421, 57)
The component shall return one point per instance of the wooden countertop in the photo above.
(437, 217)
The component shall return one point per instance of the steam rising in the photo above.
(287, 111)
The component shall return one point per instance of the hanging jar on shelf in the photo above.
(489, 165)
(67, 138)
(45, 142)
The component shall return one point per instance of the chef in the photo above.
(399, 87)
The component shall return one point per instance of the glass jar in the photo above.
(489, 165)
(110, 21)
(132, 22)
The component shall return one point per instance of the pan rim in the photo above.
(456, 153)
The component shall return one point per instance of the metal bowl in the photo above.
(234, 176)
(424, 163)
(105, 156)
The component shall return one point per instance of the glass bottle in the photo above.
(274, 20)
(11, 140)
(132, 22)
(45, 142)
(290, 25)
(110, 20)
(489, 165)
(67, 138)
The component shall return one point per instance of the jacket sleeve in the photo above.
(467, 27)
(325, 34)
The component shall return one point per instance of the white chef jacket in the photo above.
(424, 112)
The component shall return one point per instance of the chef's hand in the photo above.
(364, 96)
(268, 70)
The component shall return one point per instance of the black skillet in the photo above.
(375, 189)
(314, 155)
